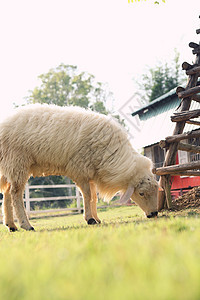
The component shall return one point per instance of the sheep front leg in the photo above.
(8, 219)
(85, 189)
(18, 203)
(94, 201)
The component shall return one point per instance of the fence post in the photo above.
(27, 199)
(78, 200)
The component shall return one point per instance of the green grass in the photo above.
(126, 257)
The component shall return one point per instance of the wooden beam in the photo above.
(196, 50)
(189, 148)
(186, 66)
(177, 168)
(196, 98)
(189, 92)
(193, 122)
(181, 146)
(163, 144)
(185, 115)
(179, 89)
(193, 70)
(193, 45)
(178, 137)
(176, 173)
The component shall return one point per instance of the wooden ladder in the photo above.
(172, 143)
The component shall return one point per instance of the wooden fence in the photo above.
(28, 199)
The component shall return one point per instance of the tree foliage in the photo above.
(65, 85)
(161, 79)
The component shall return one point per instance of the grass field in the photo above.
(126, 257)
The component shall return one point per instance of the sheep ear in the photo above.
(127, 195)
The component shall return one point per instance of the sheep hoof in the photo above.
(91, 221)
(31, 229)
(12, 229)
(27, 228)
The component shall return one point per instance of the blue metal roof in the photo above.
(154, 120)
(154, 103)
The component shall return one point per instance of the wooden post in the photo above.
(27, 200)
(78, 200)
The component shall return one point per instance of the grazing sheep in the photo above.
(90, 148)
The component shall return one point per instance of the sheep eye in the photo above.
(141, 194)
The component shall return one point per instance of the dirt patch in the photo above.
(190, 199)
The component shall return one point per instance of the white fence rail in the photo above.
(28, 199)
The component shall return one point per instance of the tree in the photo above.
(65, 86)
(160, 79)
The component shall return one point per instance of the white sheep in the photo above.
(90, 148)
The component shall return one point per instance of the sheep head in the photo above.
(144, 194)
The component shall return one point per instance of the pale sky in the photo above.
(112, 39)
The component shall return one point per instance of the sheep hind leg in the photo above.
(85, 189)
(94, 201)
(18, 203)
(8, 219)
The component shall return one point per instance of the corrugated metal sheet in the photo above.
(155, 122)
(156, 102)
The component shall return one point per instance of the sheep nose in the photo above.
(153, 214)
